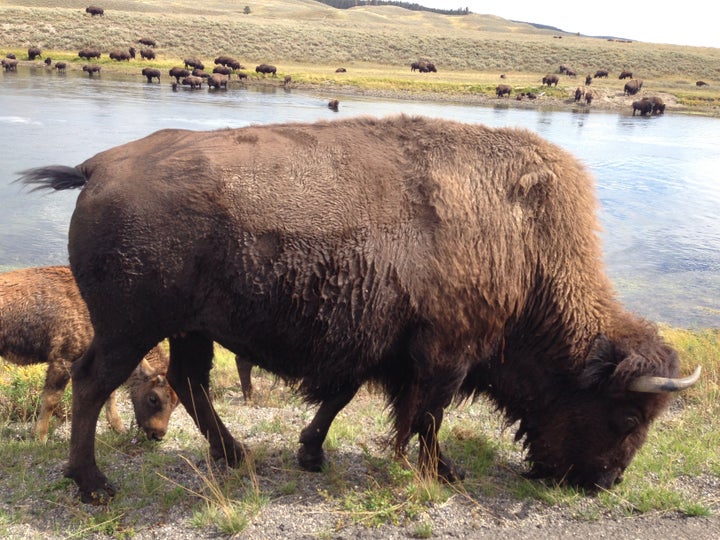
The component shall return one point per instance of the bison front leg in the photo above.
(311, 456)
(189, 375)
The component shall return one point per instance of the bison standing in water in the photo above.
(460, 260)
(151, 73)
(44, 319)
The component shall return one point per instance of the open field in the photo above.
(168, 490)
(309, 40)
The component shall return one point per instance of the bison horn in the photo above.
(657, 385)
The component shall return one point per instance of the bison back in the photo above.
(299, 244)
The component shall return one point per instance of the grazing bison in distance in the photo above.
(503, 90)
(551, 79)
(147, 42)
(147, 54)
(460, 260)
(601, 74)
(121, 56)
(625, 74)
(94, 10)
(632, 87)
(34, 52)
(151, 73)
(89, 54)
(701, 83)
(43, 319)
(265, 69)
(61, 67)
(341, 70)
(193, 63)
(222, 70)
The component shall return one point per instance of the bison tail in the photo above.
(57, 177)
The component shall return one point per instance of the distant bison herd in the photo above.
(193, 76)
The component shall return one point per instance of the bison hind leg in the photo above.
(189, 375)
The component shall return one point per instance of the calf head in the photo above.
(592, 421)
(153, 399)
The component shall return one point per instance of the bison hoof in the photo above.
(99, 497)
(312, 461)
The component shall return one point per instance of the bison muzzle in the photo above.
(459, 260)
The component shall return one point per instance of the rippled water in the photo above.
(657, 178)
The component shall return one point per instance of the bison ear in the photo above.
(145, 370)
(600, 363)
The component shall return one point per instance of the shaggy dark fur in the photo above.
(435, 259)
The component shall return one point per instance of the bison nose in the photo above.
(608, 478)
(155, 434)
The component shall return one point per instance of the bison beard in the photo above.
(459, 260)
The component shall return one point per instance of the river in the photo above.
(657, 177)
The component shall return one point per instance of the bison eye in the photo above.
(153, 400)
(626, 424)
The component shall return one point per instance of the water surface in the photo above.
(657, 178)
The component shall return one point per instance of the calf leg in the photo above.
(99, 371)
(244, 368)
(56, 379)
(112, 415)
(189, 375)
(310, 454)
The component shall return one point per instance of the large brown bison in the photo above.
(43, 319)
(632, 87)
(625, 74)
(94, 10)
(551, 79)
(151, 73)
(34, 52)
(122, 56)
(265, 69)
(193, 63)
(643, 106)
(178, 72)
(88, 53)
(601, 74)
(147, 54)
(148, 42)
(460, 260)
(92, 69)
(216, 80)
(503, 90)
(9, 64)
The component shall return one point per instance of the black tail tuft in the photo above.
(58, 177)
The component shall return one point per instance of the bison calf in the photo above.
(43, 319)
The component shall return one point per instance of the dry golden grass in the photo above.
(309, 40)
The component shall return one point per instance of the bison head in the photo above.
(590, 423)
(153, 400)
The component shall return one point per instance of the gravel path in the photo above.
(301, 505)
